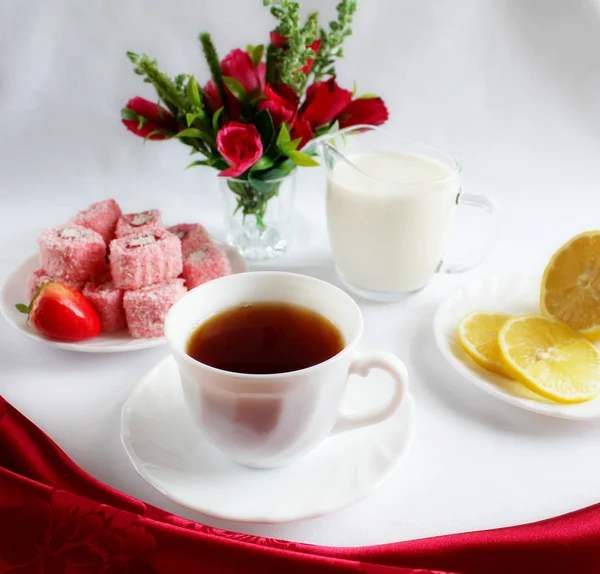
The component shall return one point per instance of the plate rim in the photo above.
(548, 409)
(130, 346)
(140, 466)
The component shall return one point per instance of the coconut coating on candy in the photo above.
(139, 223)
(101, 217)
(72, 253)
(193, 236)
(108, 302)
(207, 263)
(147, 308)
(139, 261)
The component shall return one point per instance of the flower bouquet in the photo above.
(254, 119)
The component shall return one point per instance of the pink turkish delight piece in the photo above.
(38, 277)
(193, 236)
(71, 253)
(108, 302)
(147, 308)
(102, 217)
(139, 223)
(205, 264)
(142, 260)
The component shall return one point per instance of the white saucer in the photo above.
(169, 452)
(15, 291)
(512, 294)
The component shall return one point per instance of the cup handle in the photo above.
(362, 364)
(466, 262)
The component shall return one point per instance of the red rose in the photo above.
(156, 118)
(368, 111)
(281, 42)
(238, 65)
(241, 147)
(324, 102)
(282, 102)
(262, 75)
(302, 129)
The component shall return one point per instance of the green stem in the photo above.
(253, 201)
(212, 59)
(271, 63)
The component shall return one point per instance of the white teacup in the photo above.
(266, 421)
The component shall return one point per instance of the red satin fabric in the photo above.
(55, 519)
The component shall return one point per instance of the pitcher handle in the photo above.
(478, 254)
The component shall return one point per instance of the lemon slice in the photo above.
(571, 284)
(478, 334)
(550, 358)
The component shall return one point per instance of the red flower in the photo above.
(281, 42)
(302, 129)
(324, 102)
(238, 65)
(240, 145)
(157, 118)
(282, 102)
(262, 75)
(368, 111)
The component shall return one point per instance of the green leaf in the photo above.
(153, 133)
(128, 114)
(283, 170)
(210, 162)
(264, 124)
(195, 133)
(192, 92)
(264, 187)
(263, 163)
(215, 120)
(235, 87)
(22, 308)
(355, 87)
(191, 133)
(291, 145)
(284, 135)
(191, 118)
(257, 54)
(302, 159)
(368, 96)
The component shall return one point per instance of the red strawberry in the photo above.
(60, 312)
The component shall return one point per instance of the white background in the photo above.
(509, 87)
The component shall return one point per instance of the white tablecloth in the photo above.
(510, 87)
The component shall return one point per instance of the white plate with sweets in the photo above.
(532, 342)
(113, 317)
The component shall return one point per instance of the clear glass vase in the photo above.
(258, 215)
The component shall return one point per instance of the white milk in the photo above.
(388, 234)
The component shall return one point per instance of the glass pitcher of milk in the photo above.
(390, 206)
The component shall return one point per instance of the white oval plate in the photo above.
(170, 453)
(512, 294)
(15, 288)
